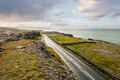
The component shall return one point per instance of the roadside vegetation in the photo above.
(54, 55)
(28, 59)
(104, 55)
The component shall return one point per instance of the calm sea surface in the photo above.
(111, 35)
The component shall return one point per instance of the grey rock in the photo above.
(31, 35)
(20, 47)
(1, 50)
(90, 39)
(40, 48)
(8, 33)
(2, 40)
(23, 49)
(68, 34)
(18, 35)
(10, 39)
(27, 35)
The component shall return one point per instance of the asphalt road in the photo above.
(83, 71)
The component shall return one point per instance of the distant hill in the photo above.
(5, 28)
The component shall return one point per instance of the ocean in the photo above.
(110, 35)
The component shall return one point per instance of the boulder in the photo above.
(20, 47)
(15, 39)
(1, 50)
(18, 35)
(4, 40)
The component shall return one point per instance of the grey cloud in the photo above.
(25, 9)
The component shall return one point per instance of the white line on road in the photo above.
(88, 75)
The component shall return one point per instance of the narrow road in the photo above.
(78, 67)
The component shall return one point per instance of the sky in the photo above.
(60, 13)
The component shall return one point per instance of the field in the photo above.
(103, 54)
(61, 39)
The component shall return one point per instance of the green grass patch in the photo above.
(19, 65)
(61, 39)
(38, 38)
(108, 61)
(104, 55)
(54, 55)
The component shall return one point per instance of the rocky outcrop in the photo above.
(52, 68)
(39, 47)
(28, 35)
(56, 71)
(31, 35)
(9, 39)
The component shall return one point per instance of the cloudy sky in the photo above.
(60, 13)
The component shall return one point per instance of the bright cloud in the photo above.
(95, 9)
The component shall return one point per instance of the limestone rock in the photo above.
(1, 50)
(20, 47)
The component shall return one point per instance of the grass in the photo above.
(109, 62)
(55, 55)
(19, 65)
(16, 64)
(105, 55)
(61, 39)
(38, 38)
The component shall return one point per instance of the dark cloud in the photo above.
(25, 9)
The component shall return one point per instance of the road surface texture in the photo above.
(78, 67)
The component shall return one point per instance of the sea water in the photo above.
(110, 35)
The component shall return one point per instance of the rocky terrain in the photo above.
(24, 57)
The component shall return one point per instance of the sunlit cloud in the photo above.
(95, 9)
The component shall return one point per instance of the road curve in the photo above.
(78, 67)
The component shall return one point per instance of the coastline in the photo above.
(97, 53)
(109, 35)
(89, 39)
